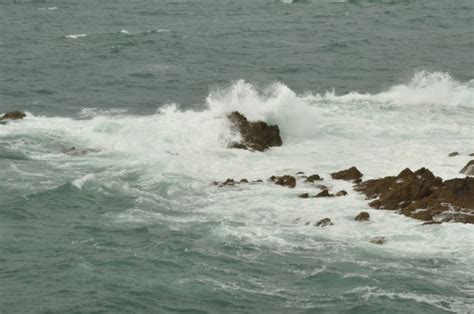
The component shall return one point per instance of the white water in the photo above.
(411, 125)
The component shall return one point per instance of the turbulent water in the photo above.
(135, 225)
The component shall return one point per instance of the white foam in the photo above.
(72, 36)
(124, 31)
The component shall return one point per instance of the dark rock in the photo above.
(468, 169)
(432, 223)
(229, 182)
(362, 216)
(13, 115)
(244, 181)
(73, 151)
(349, 174)
(259, 180)
(322, 187)
(377, 240)
(313, 178)
(304, 195)
(285, 180)
(453, 154)
(299, 173)
(324, 193)
(472, 154)
(422, 195)
(357, 181)
(341, 193)
(255, 135)
(324, 223)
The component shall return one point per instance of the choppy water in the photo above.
(136, 226)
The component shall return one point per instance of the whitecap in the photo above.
(76, 36)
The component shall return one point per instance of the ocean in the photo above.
(135, 225)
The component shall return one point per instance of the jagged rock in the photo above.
(255, 135)
(349, 174)
(453, 154)
(377, 240)
(324, 223)
(341, 193)
(422, 195)
(362, 216)
(304, 195)
(13, 115)
(313, 178)
(324, 193)
(285, 180)
(468, 169)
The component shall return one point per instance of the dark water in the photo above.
(135, 226)
(178, 50)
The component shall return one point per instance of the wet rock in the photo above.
(73, 151)
(377, 240)
(255, 135)
(13, 115)
(422, 195)
(324, 193)
(362, 216)
(468, 169)
(244, 181)
(453, 154)
(285, 180)
(229, 182)
(324, 223)
(349, 174)
(259, 181)
(313, 178)
(304, 195)
(432, 223)
(299, 173)
(341, 193)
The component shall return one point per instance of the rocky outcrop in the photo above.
(468, 169)
(350, 174)
(285, 180)
(324, 223)
(13, 115)
(422, 195)
(255, 135)
(362, 216)
(313, 178)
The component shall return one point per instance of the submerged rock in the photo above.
(255, 135)
(378, 240)
(349, 174)
(422, 195)
(13, 115)
(73, 151)
(468, 169)
(362, 216)
(324, 223)
(453, 154)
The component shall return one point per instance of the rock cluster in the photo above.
(13, 115)
(255, 135)
(422, 195)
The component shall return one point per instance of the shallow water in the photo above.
(136, 225)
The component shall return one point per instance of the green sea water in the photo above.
(136, 226)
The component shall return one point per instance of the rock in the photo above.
(73, 151)
(349, 174)
(304, 195)
(313, 178)
(285, 180)
(341, 193)
(472, 154)
(377, 240)
(324, 223)
(432, 223)
(244, 181)
(13, 115)
(422, 195)
(229, 182)
(324, 193)
(259, 181)
(453, 154)
(468, 169)
(255, 135)
(322, 187)
(362, 216)
(300, 173)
